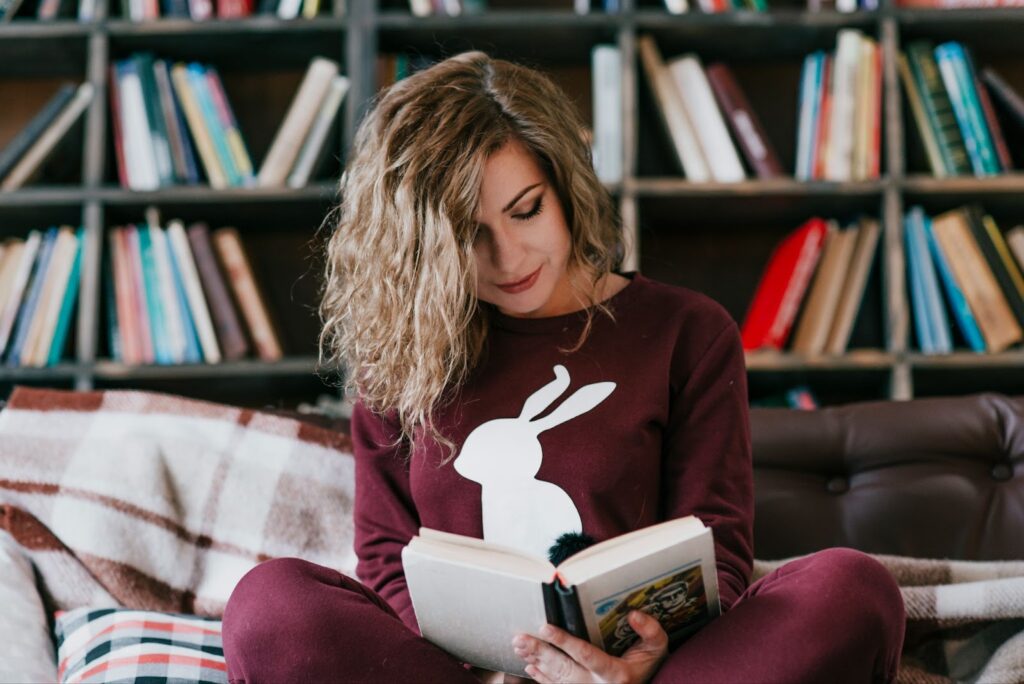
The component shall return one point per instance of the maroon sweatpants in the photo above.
(835, 616)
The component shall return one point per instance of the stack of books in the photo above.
(717, 6)
(700, 108)
(39, 278)
(819, 272)
(47, 10)
(953, 111)
(173, 125)
(839, 131)
(24, 156)
(183, 295)
(980, 272)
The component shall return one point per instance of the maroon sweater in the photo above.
(661, 432)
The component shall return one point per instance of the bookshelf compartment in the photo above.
(966, 373)
(829, 386)
(36, 49)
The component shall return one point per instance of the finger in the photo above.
(551, 662)
(652, 635)
(537, 675)
(589, 657)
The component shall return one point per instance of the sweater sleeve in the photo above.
(385, 516)
(708, 470)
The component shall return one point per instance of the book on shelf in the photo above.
(606, 67)
(782, 287)
(19, 145)
(839, 111)
(182, 295)
(39, 279)
(1009, 98)
(319, 80)
(666, 570)
(930, 322)
(854, 288)
(743, 121)
(43, 138)
(811, 331)
(958, 4)
(202, 10)
(450, 8)
(954, 114)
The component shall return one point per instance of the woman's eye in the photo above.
(533, 212)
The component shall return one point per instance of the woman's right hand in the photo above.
(492, 677)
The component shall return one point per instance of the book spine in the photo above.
(805, 128)
(975, 222)
(240, 155)
(920, 311)
(931, 144)
(967, 79)
(31, 304)
(39, 123)
(155, 119)
(313, 148)
(821, 130)
(572, 612)
(939, 109)
(21, 278)
(202, 136)
(552, 607)
(606, 61)
(110, 285)
(228, 246)
(154, 306)
(116, 121)
(945, 58)
(233, 343)
(744, 122)
(175, 133)
(68, 305)
(1008, 96)
(197, 79)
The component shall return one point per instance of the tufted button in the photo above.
(1002, 472)
(837, 485)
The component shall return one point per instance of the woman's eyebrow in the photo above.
(517, 197)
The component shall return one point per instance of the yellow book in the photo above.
(310, 8)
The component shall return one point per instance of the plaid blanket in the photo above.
(163, 503)
(158, 502)
(965, 620)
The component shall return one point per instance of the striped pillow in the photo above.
(123, 645)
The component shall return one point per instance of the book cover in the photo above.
(820, 308)
(666, 570)
(998, 325)
(960, 86)
(20, 144)
(242, 281)
(19, 281)
(230, 333)
(60, 334)
(782, 286)
(30, 305)
(938, 108)
(673, 114)
(40, 150)
(297, 122)
(744, 122)
(854, 287)
(954, 295)
(989, 250)
(712, 134)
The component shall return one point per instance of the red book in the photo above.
(783, 286)
(824, 114)
(743, 122)
(115, 120)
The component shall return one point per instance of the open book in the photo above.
(471, 597)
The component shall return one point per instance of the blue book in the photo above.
(60, 334)
(941, 335)
(200, 89)
(193, 352)
(959, 83)
(922, 325)
(957, 302)
(31, 301)
(157, 328)
(810, 96)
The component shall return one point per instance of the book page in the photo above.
(678, 585)
(470, 611)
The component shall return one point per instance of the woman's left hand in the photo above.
(576, 660)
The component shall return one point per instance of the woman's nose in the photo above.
(506, 252)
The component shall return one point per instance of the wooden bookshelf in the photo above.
(711, 236)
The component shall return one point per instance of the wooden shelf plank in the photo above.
(224, 27)
(291, 366)
(60, 372)
(1009, 183)
(680, 187)
(859, 359)
(510, 20)
(965, 360)
(205, 194)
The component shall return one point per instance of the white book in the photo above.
(677, 6)
(21, 276)
(289, 9)
(846, 5)
(9, 267)
(314, 143)
(472, 597)
(670, 106)
(45, 143)
(86, 10)
(606, 61)
(706, 118)
(138, 149)
(839, 161)
(581, 6)
(421, 8)
(44, 323)
(194, 291)
(173, 325)
(453, 8)
(297, 122)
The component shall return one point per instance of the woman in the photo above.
(474, 263)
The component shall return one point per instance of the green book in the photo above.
(60, 334)
(939, 109)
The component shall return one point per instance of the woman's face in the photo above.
(522, 242)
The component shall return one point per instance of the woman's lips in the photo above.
(522, 285)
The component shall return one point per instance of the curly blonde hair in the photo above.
(400, 313)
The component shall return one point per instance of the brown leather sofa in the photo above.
(930, 478)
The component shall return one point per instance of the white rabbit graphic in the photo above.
(504, 455)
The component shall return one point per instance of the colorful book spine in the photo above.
(810, 81)
(67, 307)
(31, 303)
(939, 109)
(957, 300)
(960, 85)
(240, 155)
(192, 353)
(935, 314)
(201, 91)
